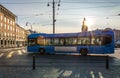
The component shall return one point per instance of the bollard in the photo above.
(107, 62)
(33, 62)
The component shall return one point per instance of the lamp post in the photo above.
(54, 17)
(54, 20)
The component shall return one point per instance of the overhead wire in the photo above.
(100, 2)
(91, 2)
(90, 7)
(75, 2)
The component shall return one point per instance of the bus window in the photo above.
(107, 40)
(96, 41)
(60, 41)
(48, 41)
(40, 41)
(74, 41)
(57, 41)
(31, 42)
(83, 41)
(65, 41)
(70, 41)
(79, 41)
(101, 40)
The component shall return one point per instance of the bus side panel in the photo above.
(109, 48)
(33, 49)
(49, 49)
(101, 50)
(97, 50)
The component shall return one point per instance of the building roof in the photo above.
(1, 6)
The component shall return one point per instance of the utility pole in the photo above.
(54, 20)
(53, 16)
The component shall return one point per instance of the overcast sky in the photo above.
(100, 14)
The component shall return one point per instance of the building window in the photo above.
(8, 27)
(8, 21)
(5, 26)
(5, 33)
(11, 34)
(11, 22)
(1, 17)
(5, 19)
(1, 42)
(5, 42)
(11, 28)
(1, 24)
(8, 34)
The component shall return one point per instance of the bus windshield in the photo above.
(99, 41)
(32, 42)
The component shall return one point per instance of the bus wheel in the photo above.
(84, 52)
(42, 51)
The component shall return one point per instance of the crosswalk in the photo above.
(1, 54)
(11, 54)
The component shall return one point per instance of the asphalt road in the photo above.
(17, 63)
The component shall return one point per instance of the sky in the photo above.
(99, 14)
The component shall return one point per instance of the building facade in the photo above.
(117, 34)
(21, 36)
(10, 33)
(7, 27)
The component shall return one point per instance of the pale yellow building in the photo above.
(20, 36)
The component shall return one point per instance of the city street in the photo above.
(17, 63)
(54, 27)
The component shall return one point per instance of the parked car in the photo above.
(117, 44)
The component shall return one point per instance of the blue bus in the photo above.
(90, 42)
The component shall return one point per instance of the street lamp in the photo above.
(54, 20)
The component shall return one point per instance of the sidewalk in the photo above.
(9, 49)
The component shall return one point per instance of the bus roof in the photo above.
(88, 33)
(35, 35)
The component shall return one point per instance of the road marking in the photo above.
(67, 73)
(24, 51)
(10, 55)
(19, 52)
(100, 75)
(92, 74)
(1, 54)
(77, 75)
